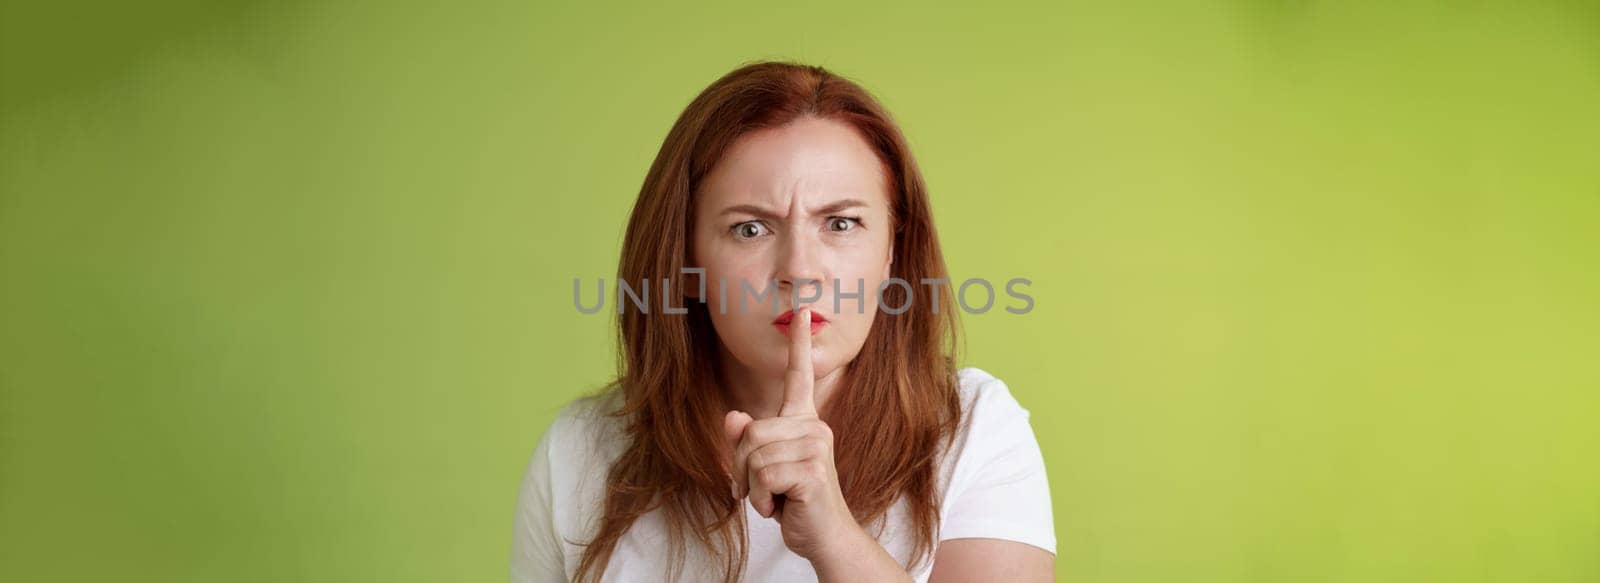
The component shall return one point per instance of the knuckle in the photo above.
(825, 432)
(760, 432)
(815, 447)
(767, 476)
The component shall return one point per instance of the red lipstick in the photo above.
(782, 321)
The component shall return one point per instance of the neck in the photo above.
(761, 394)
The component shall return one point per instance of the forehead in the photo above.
(817, 160)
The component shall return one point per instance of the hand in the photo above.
(785, 463)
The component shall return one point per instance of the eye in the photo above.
(840, 224)
(749, 230)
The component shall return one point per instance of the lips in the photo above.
(788, 316)
(783, 320)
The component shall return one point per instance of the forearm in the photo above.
(858, 558)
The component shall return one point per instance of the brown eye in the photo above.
(842, 223)
(749, 230)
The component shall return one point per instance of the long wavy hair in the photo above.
(898, 405)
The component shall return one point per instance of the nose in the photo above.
(799, 273)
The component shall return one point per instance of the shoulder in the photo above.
(578, 447)
(561, 485)
(589, 412)
(994, 479)
(986, 399)
(994, 429)
(585, 430)
(578, 450)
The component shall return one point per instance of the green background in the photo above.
(285, 287)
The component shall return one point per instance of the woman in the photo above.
(833, 442)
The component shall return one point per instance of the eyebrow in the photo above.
(829, 208)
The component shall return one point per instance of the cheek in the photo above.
(725, 278)
(869, 265)
(856, 312)
(723, 263)
(740, 298)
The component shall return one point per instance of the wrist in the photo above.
(842, 545)
(854, 555)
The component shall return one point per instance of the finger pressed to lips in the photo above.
(797, 393)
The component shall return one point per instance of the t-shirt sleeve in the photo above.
(998, 489)
(536, 552)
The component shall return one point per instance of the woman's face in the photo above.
(805, 201)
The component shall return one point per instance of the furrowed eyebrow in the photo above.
(748, 209)
(839, 205)
(827, 209)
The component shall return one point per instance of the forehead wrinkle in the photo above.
(796, 171)
(783, 202)
(823, 193)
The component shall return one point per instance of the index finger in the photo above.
(798, 397)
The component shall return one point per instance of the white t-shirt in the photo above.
(991, 481)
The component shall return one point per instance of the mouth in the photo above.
(783, 320)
